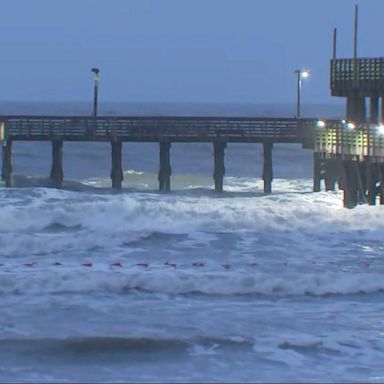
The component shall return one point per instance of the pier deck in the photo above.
(155, 128)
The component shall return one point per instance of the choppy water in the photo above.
(191, 286)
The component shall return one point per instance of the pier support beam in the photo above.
(219, 168)
(349, 183)
(267, 167)
(316, 172)
(117, 169)
(57, 163)
(165, 170)
(382, 110)
(331, 174)
(356, 110)
(374, 110)
(6, 171)
(372, 178)
(380, 168)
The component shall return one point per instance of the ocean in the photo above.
(187, 286)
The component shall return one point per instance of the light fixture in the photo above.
(380, 130)
(351, 125)
(320, 124)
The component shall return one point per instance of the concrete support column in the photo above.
(372, 178)
(382, 110)
(380, 168)
(219, 168)
(349, 183)
(117, 169)
(165, 170)
(6, 171)
(331, 174)
(374, 110)
(316, 172)
(57, 163)
(267, 167)
(356, 110)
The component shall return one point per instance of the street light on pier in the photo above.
(96, 89)
(301, 74)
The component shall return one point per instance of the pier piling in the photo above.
(316, 172)
(57, 163)
(165, 170)
(267, 167)
(372, 176)
(349, 183)
(331, 174)
(219, 167)
(117, 169)
(6, 171)
(374, 110)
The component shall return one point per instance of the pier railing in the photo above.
(347, 139)
(147, 128)
(364, 76)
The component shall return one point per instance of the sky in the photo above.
(220, 51)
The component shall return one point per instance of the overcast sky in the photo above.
(241, 51)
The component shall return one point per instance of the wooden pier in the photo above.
(220, 131)
(351, 151)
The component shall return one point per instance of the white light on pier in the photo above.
(305, 74)
(380, 130)
(351, 126)
(321, 124)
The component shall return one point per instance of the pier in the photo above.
(351, 152)
(220, 131)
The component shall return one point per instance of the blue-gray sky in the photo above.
(241, 51)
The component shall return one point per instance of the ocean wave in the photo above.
(105, 344)
(32, 210)
(185, 283)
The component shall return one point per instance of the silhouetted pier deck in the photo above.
(164, 130)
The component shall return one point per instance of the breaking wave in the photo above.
(185, 283)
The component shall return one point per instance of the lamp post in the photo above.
(301, 74)
(96, 89)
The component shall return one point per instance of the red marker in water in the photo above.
(87, 264)
(31, 264)
(116, 264)
(198, 264)
(170, 264)
(145, 265)
(227, 266)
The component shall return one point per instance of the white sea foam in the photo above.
(187, 282)
(181, 214)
